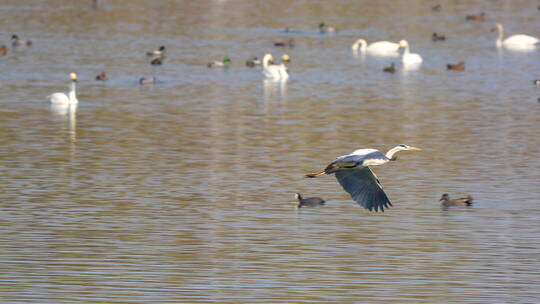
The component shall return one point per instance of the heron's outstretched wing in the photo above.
(364, 188)
(353, 160)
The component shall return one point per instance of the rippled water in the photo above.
(183, 191)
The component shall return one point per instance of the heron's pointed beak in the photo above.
(415, 149)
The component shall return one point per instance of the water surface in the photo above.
(183, 191)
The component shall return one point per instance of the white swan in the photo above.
(408, 57)
(383, 48)
(63, 99)
(514, 40)
(273, 71)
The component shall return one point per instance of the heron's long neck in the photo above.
(391, 152)
(73, 93)
(501, 35)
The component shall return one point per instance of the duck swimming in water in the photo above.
(220, 64)
(460, 66)
(253, 62)
(325, 29)
(160, 52)
(156, 61)
(149, 80)
(289, 43)
(436, 37)
(102, 77)
(480, 17)
(390, 69)
(463, 201)
(15, 41)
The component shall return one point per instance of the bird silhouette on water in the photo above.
(446, 201)
(309, 201)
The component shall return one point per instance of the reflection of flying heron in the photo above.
(353, 173)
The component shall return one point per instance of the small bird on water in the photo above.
(156, 61)
(460, 66)
(15, 41)
(253, 62)
(325, 29)
(288, 43)
(436, 37)
(462, 201)
(480, 17)
(160, 52)
(309, 201)
(390, 69)
(102, 77)
(149, 80)
(220, 64)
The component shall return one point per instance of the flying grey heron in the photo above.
(353, 173)
(308, 201)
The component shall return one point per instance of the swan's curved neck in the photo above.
(406, 51)
(360, 44)
(73, 92)
(501, 35)
(266, 60)
(391, 152)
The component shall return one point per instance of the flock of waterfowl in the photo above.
(352, 171)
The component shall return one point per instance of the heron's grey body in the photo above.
(354, 175)
(364, 157)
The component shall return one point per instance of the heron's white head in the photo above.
(403, 147)
(73, 76)
(391, 153)
(297, 196)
